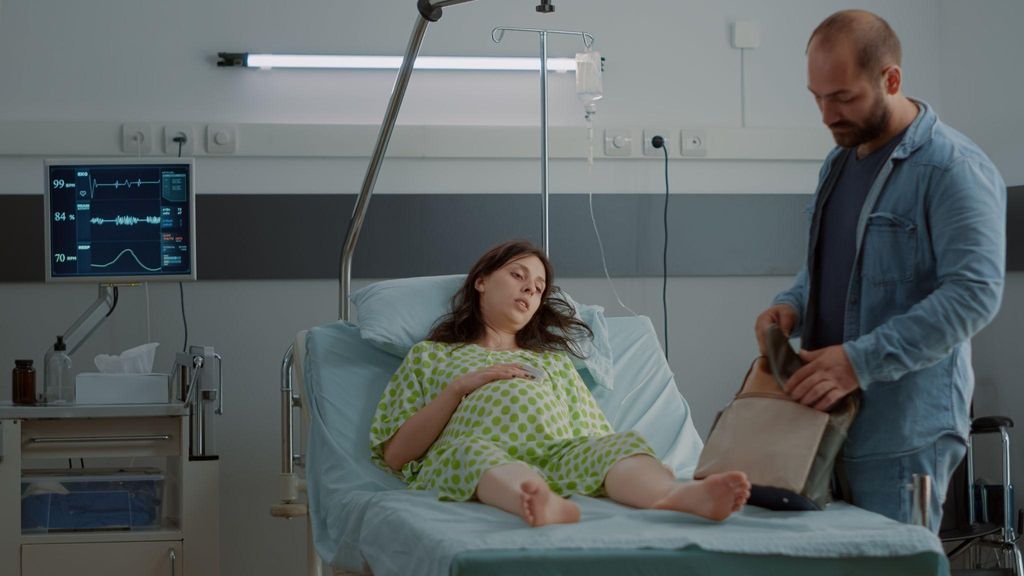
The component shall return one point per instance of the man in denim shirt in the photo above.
(905, 264)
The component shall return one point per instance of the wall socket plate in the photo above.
(618, 142)
(746, 34)
(173, 130)
(650, 133)
(693, 143)
(136, 138)
(221, 138)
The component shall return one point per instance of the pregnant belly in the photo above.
(511, 411)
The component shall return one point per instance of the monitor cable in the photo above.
(112, 304)
(149, 316)
(180, 139)
(659, 142)
(184, 320)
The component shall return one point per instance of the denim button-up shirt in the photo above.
(928, 275)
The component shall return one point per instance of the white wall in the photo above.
(669, 62)
(981, 82)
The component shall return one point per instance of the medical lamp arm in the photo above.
(429, 11)
(386, 128)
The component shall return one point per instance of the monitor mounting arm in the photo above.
(91, 319)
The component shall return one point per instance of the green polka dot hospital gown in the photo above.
(552, 424)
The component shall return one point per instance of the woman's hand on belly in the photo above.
(471, 381)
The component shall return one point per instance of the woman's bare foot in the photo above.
(540, 506)
(715, 497)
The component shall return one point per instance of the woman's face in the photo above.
(511, 295)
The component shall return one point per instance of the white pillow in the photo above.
(396, 314)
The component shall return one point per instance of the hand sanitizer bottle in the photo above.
(59, 386)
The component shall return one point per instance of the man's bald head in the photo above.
(870, 37)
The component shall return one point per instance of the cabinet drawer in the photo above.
(103, 559)
(101, 437)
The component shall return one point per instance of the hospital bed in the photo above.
(363, 520)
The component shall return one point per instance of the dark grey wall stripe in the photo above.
(299, 236)
(1015, 228)
(21, 243)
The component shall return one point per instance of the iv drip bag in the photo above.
(589, 88)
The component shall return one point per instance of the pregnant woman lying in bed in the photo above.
(491, 407)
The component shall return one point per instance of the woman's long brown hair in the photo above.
(553, 327)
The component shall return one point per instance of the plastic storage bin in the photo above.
(91, 500)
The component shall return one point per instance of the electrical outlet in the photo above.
(136, 138)
(172, 131)
(649, 134)
(693, 143)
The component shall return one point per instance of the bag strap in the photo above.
(841, 482)
(750, 370)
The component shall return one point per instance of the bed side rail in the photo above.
(291, 484)
(293, 463)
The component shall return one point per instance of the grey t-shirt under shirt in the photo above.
(837, 241)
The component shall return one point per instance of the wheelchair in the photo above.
(976, 532)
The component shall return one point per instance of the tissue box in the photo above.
(98, 388)
(91, 500)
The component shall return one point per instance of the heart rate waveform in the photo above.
(126, 220)
(122, 253)
(127, 183)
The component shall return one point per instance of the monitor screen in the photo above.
(120, 221)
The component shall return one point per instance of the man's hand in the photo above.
(827, 378)
(782, 314)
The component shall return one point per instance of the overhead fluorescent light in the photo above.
(265, 61)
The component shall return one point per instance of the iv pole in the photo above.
(429, 11)
(496, 35)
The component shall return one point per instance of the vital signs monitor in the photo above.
(120, 221)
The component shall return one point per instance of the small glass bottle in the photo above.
(60, 388)
(23, 382)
